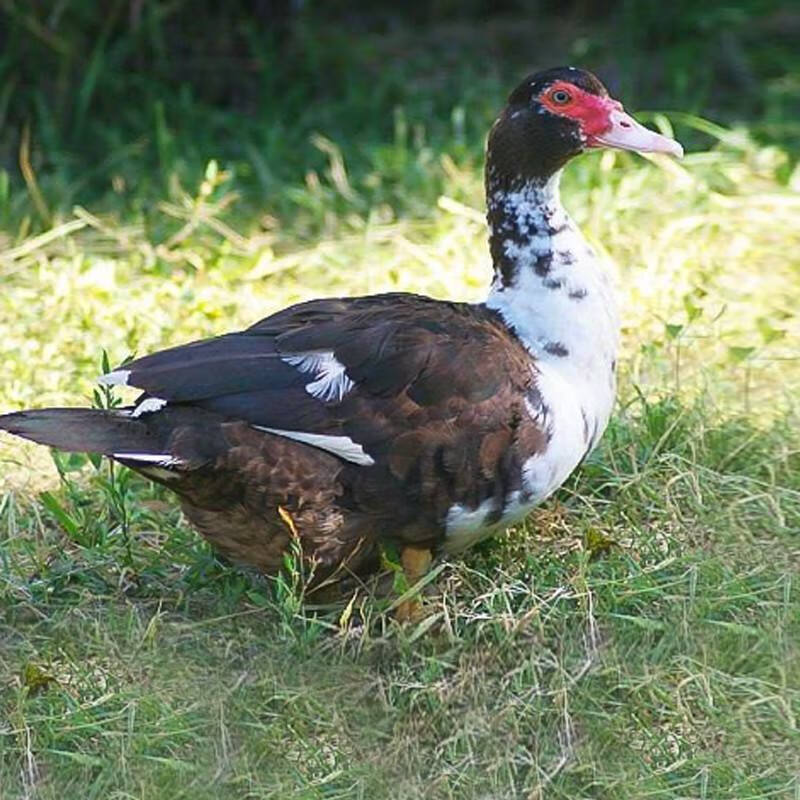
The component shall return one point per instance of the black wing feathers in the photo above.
(442, 371)
(229, 364)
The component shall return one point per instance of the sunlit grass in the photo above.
(635, 638)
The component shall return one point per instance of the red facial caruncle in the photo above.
(590, 110)
(603, 122)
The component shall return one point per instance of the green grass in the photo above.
(637, 637)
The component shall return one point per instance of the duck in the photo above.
(338, 427)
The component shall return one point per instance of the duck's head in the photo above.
(557, 114)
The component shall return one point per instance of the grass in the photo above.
(637, 637)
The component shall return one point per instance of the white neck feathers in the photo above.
(553, 291)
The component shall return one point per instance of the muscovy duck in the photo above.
(347, 423)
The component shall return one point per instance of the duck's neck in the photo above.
(527, 224)
(549, 286)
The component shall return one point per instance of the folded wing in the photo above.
(372, 379)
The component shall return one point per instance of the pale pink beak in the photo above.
(626, 133)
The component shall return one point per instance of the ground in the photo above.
(636, 637)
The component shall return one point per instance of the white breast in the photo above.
(542, 473)
(567, 319)
(570, 438)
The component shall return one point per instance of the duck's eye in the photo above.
(561, 96)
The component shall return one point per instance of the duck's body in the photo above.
(349, 422)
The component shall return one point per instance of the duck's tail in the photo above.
(85, 430)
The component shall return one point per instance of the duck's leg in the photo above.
(416, 562)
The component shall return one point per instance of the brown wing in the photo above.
(434, 395)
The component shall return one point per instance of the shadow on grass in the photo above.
(636, 637)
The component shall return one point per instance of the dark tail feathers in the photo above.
(85, 430)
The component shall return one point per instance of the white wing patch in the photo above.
(117, 378)
(158, 459)
(342, 446)
(148, 406)
(332, 382)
